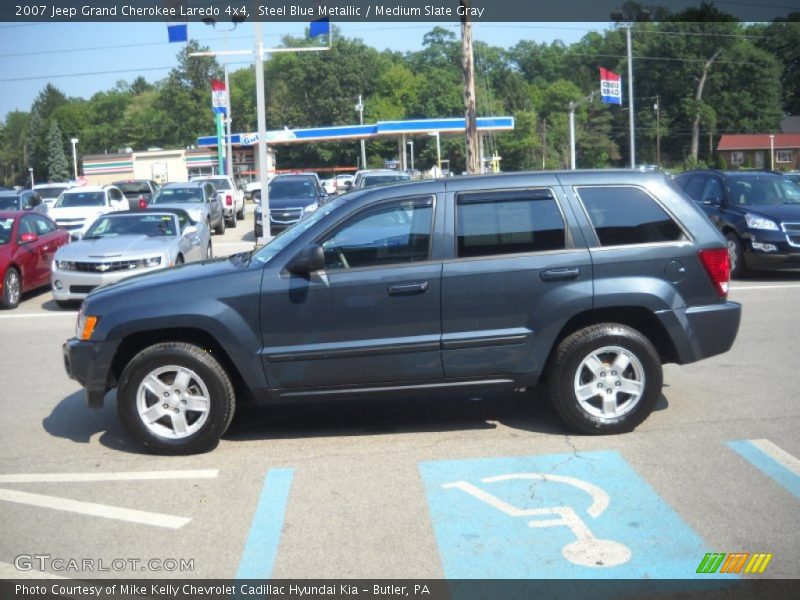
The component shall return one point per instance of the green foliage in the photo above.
(721, 164)
(57, 165)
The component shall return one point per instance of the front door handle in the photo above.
(560, 274)
(408, 289)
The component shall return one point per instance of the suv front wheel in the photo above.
(605, 379)
(175, 398)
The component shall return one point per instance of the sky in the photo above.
(31, 55)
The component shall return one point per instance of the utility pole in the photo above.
(657, 108)
(360, 109)
(572, 135)
(261, 110)
(544, 144)
(468, 66)
(630, 98)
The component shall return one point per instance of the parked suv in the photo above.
(758, 212)
(587, 281)
(291, 197)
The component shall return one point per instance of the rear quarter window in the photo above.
(625, 215)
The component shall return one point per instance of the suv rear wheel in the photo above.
(175, 398)
(735, 254)
(605, 379)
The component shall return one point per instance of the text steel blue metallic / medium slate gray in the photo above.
(586, 281)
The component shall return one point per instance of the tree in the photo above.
(34, 143)
(57, 165)
(13, 166)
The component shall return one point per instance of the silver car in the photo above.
(122, 244)
(198, 198)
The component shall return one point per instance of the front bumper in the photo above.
(76, 285)
(786, 253)
(80, 362)
(772, 261)
(699, 332)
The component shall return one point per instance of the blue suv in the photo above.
(584, 281)
(758, 212)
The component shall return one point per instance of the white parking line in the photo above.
(764, 287)
(24, 315)
(83, 477)
(95, 510)
(778, 454)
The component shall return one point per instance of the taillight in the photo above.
(228, 199)
(142, 202)
(718, 266)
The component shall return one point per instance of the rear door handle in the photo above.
(408, 289)
(560, 274)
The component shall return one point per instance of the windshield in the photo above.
(9, 202)
(220, 183)
(72, 199)
(133, 188)
(48, 193)
(288, 188)
(761, 190)
(145, 224)
(6, 225)
(287, 236)
(178, 195)
(370, 180)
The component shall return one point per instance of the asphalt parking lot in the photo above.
(489, 487)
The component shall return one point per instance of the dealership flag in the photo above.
(610, 87)
(219, 96)
(320, 27)
(178, 32)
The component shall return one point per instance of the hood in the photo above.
(175, 276)
(776, 212)
(187, 206)
(77, 212)
(124, 247)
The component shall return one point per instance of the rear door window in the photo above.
(694, 187)
(512, 222)
(623, 215)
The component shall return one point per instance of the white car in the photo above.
(342, 180)
(230, 197)
(119, 245)
(49, 192)
(77, 208)
(329, 185)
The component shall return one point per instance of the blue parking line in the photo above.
(767, 465)
(569, 516)
(261, 547)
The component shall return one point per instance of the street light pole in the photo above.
(772, 152)
(30, 170)
(630, 98)
(266, 234)
(228, 118)
(360, 109)
(74, 142)
(438, 152)
(572, 136)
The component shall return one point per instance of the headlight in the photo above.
(149, 263)
(311, 208)
(65, 265)
(756, 222)
(85, 325)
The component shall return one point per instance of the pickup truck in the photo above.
(586, 282)
(230, 197)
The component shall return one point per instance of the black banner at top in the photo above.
(378, 10)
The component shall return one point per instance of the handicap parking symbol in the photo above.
(571, 516)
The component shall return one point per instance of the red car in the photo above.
(28, 243)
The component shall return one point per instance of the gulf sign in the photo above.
(610, 87)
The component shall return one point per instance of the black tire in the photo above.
(179, 260)
(257, 231)
(220, 228)
(12, 289)
(240, 214)
(564, 368)
(221, 397)
(232, 221)
(736, 255)
(209, 252)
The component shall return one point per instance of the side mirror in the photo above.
(190, 229)
(28, 238)
(713, 201)
(348, 184)
(307, 261)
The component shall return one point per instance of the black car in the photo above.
(21, 200)
(291, 197)
(758, 212)
(139, 192)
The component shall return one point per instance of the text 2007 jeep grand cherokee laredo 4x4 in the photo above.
(586, 280)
